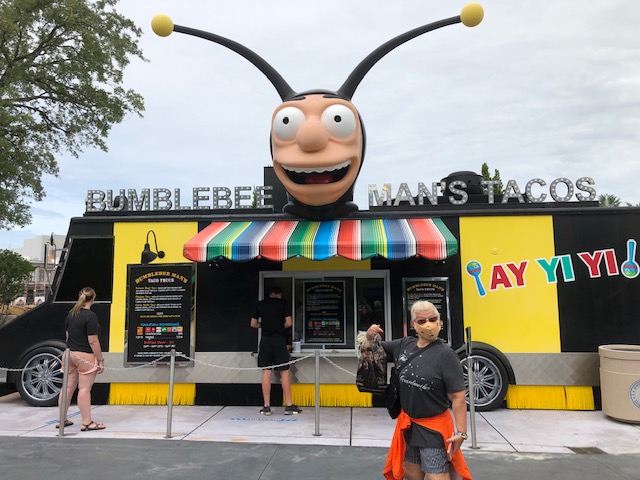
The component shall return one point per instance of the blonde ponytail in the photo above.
(86, 295)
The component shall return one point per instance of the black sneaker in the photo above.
(292, 410)
(265, 411)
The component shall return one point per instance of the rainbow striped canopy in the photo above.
(394, 239)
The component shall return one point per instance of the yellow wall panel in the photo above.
(130, 238)
(511, 317)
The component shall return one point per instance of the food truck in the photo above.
(539, 274)
(540, 284)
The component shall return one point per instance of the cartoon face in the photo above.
(317, 137)
(317, 147)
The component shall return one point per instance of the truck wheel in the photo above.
(40, 381)
(490, 380)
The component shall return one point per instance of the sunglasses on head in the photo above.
(422, 321)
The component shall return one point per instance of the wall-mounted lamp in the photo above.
(148, 255)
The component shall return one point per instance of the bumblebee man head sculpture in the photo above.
(317, 136)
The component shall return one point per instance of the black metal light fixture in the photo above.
(147, 254)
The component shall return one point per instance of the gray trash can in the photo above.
(620, 381)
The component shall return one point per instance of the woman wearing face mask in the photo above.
(427, 438)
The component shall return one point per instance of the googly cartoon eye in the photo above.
(287, 122)
(339, 120)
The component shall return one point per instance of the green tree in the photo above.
(609, 200)
(61, 73)
(498, 188)
(14, 273)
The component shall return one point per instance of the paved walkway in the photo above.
(236, 442)
(523, 431)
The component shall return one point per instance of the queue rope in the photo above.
(146, 365)
(290, 362)
(338, 366)
(195, 360)
(18, 369)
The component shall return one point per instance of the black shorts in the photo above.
(273, 351)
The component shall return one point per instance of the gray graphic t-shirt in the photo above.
(433, 372)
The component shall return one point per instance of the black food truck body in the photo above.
(541, 288)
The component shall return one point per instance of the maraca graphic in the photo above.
(475, 269)
(630, 268)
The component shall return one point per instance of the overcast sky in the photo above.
(538, 89)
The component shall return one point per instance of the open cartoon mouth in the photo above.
(316, 176)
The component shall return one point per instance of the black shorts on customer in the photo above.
(273, 351)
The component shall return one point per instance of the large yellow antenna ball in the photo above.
(472, 14)
(162, 25)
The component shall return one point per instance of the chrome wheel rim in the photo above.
(487, 381)
(42, 376)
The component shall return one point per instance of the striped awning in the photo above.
(395, 239)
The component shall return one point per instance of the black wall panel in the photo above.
(597, 311)
(226, 296)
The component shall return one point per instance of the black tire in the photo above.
(490, 380)
(40, 380)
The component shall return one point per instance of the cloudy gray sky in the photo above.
(539, 89)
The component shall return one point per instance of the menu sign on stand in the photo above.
(159, 312)
(431, 289)
(324, 312)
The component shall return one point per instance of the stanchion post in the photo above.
(172, 369)
(63, 392)
(472, 397)
(317, 432)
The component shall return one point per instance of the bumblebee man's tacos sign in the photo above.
(317, 136)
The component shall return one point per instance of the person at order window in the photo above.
(377, 315)
(273, 316)
(364, 313)
(426, 441)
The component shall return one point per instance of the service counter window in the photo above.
(88, 261)
(329, 307)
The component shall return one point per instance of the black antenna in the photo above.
(349, 86)
(163, 25)
(471, 15)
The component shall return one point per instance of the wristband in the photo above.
(462, 434)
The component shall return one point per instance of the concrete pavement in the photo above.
(236, 442)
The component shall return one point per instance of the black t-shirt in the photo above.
(433, 372)
(84, 323)
(272, 312)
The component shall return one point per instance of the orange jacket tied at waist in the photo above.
(443, 424)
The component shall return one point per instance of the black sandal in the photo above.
(67, 423)
(92, 426)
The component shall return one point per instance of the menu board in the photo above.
(324, 312)
(159, 311)
(431, 289)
